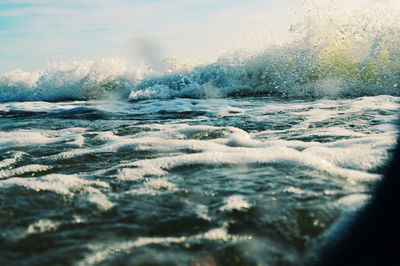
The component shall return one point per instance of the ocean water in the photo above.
(245, 180)
(249, 160)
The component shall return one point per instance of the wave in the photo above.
(336, 52)
(80, 80)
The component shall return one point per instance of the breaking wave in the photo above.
(336, 52)
(81, 80)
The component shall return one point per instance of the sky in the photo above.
(34, 32)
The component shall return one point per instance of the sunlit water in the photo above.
(164, 182)
(244, 161)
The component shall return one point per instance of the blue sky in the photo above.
(32, 32)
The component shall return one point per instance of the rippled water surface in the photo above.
(170, 182)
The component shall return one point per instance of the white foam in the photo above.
(154, 186)
(333, 131)
(235, 202)
(295, 190)
(87, 193)
(94, 197)
(31, 168)
(22, 138)
(275, 155)
(10, 161)
(217, 234)
(61, 184)
(351, 157)
(352, 202)
(166, 138)
(30, 137)
(102, 251)
(242, 140)
(41, 226)
(39, 106)
(202, 212)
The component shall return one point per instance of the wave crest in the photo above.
(350, 51)
(80, 80)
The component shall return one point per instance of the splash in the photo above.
(340, 49)
(79, 80)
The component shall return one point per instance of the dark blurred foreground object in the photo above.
(373, 236)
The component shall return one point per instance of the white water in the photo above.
(125, 165)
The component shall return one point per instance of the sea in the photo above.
(248, 160)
